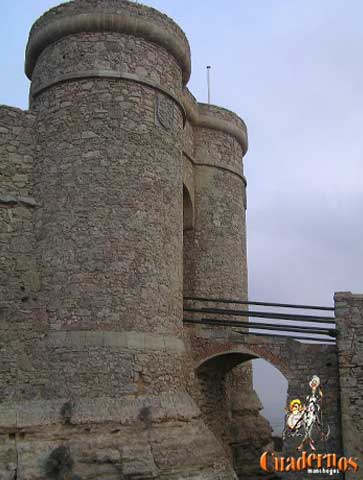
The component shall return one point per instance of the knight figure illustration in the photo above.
(303, 420)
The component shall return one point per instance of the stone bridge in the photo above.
(222, 362)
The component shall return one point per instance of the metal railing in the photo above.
(324, 326)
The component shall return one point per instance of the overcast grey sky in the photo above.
(293, 70)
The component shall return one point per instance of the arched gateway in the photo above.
(227, 402)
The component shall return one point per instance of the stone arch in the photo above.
(212, 372)
(229, 405)
(277, 353)
(230, 408)
(218, 352)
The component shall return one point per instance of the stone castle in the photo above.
(120, 195)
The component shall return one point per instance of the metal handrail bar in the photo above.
(264, 304)
(271, 315)
(312, 339)
(258, 326)
(294, 337)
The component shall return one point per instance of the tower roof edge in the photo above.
(121, 16)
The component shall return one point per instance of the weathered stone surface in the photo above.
(144, 449)
(99, 378)
(349, 317)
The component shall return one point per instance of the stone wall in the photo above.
(21, 373)
(249, 431)
(349, 318)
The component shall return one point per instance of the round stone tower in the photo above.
(215, 250)
(215, 261)
(107, 78)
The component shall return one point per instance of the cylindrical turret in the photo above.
(215, 256)
(108, 174)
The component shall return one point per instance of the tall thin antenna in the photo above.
(208, 81)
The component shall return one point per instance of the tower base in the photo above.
(140, 438)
